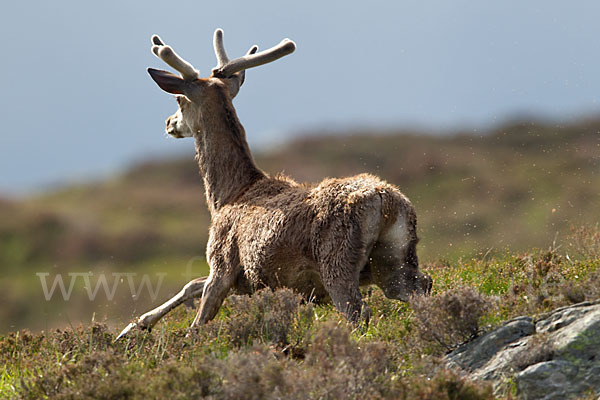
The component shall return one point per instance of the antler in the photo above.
(226, 68)
(168, 55)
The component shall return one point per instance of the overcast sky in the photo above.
(76, 102)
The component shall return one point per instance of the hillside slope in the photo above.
(518, 187)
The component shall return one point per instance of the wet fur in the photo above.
(282, 234)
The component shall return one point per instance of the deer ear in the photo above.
(167, 81)
(235, 82)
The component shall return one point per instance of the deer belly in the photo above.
(288, 270)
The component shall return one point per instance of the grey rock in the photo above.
(577, 339)
(501, 367)
(563, 347)
(562, 317)
(478, 352)
(557, 380)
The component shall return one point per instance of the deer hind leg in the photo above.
(347, 256)
(190, 291)
(342, 279)
(341, 274)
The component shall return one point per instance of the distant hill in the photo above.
(519, 186)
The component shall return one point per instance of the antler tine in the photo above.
(226, 68)
(219, 46)
(242, 74)
(157, 40)
(168, 55)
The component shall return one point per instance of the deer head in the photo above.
(193, 92)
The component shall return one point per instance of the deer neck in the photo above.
(222, 152)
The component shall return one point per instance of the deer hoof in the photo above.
(126, 331)
(130, 327)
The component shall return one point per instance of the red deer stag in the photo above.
(323, 241)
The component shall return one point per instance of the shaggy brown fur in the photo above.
(322, 241)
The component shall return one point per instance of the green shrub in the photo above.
(265, 317)
(585, 241)
(446, 385)
(448, 319)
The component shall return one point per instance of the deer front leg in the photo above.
(191, 290)
(216, 288)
